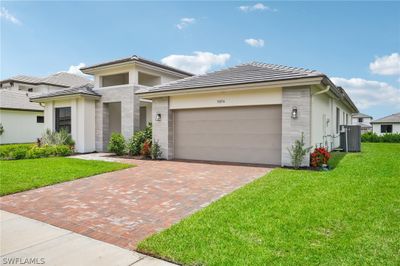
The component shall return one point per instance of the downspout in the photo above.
(328, 87)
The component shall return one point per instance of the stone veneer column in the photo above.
(163, 130)
(299, 97)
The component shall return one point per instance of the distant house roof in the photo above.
(363, 125)
(78, 90)
(136, 58)
(394, 118)
(248, 73)
(360, 115)
(17, 100)
(61, 79)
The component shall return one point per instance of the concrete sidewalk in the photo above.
(29, 242)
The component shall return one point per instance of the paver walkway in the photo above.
(127, 206)
(29, 242)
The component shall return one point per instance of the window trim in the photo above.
(66, 121)
(387, 127)
(337, 120)
(39, 119)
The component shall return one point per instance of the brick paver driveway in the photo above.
(126, 206)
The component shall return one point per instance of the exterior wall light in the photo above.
(294, 112)
(158, 117)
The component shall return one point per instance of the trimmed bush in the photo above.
(117, 144)
(388, 137)
(24, 151)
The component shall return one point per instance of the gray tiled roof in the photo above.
(394, 118)
(62, 79)
(360, 115)
(242, 74)
(82, 90)
(10, 99)
(136, 58)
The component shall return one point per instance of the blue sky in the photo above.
(355, 43)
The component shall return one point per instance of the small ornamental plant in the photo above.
(145, 150)
(319, 157)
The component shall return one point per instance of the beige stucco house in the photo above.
(251, 113)
(363, 120)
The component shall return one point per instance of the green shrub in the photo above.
(61, 137)
(117, 144)
(156, 152)
(14, 151)
(138, 139)
(298, 152)
(30, 151)
(388, 137)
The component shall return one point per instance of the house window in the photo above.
(347, 119)
(360, 120)
(115, 80)
(337, 119)
(386, 129)
(39, 119)
(63, 119)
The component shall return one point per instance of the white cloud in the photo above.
(184, 22)
(199, 63)
(255, 42)
(257, 7)
(76, 70)
(9, 17)
(386, 65)
(368, 93)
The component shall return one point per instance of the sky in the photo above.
(356, 44)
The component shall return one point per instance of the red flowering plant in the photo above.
(319, 157)
(145, 149)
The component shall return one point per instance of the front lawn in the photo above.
(347, 216)
(20, 175)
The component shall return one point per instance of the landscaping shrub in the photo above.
(298, 152)
(156, 152)
(30, 151)
(52, 138)
(145, 149)
(319, 157)
(14, 151)
(388, 137)
(117, 144)
(139, 137)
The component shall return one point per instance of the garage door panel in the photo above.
(232, 134)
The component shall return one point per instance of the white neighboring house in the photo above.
(362, 120)
(250, 113)
(22, 120)
(387, 124)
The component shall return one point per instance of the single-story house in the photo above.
(362, 120)
(250, 113)
(387, 124)
(22, 120)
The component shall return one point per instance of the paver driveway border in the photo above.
(126, 206)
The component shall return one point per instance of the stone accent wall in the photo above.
(129, 116)
(292, 128)
(163, 130)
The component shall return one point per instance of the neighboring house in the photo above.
(251, 113)
(362, 120)
(22, 120)
(387, 124)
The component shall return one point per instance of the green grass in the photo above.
(21, 175)
(347, 216)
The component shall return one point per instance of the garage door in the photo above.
(229, 134)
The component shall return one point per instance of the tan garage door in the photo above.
(229, 134)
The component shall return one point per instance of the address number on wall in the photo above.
(220, 101)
